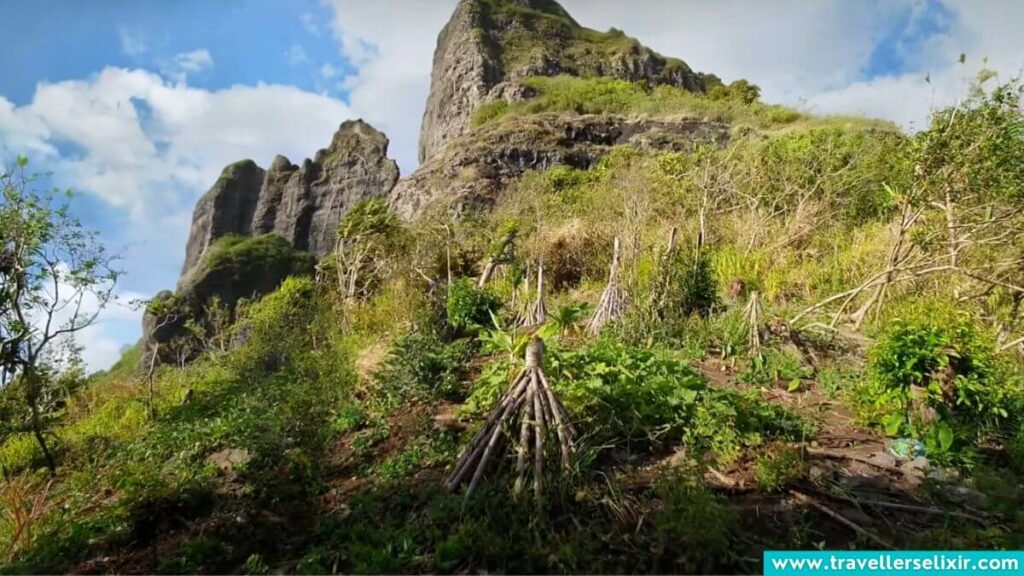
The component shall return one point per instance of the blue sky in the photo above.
(253, 41)
(136, 105)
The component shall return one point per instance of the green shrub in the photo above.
(200, 555)
(772, 366)
(928, 350)
(468, 307)
(698, 288)
(633, 396)
(277, 329)
(237, 266)
(421, 366)
(605, 95)
(937, 358)
(350, 417)
(694, 529)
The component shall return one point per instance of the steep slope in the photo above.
(731, 408)
(489, 45)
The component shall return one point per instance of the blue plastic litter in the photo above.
(906, 448)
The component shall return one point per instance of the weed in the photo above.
(419, 367)
(774, 365)
(199, 555)
(779, 468)
(694, 530)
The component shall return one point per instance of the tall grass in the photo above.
(603, 95)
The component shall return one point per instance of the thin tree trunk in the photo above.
(149, 381)
(51, 464)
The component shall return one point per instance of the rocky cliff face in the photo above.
(475, 169)
(232, 268)
(303, 204)
(489, 45)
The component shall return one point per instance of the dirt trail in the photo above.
(855, 490)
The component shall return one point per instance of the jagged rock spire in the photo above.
(489, 44)
(303, 204)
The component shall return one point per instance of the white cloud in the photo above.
(149, 147)
(804, 54)
(194, 61)
(143, 143)
(328, 71)
(310, 23)
(133, 42)
(987, 32)
(392, 44)
(295, 55)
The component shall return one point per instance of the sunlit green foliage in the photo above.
(602, 95)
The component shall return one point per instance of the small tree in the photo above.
(365, 235)
(55, 279)
(960, 214)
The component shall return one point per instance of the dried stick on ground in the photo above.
(805, 499)
(613, 300)
(540, 415)
(537, 312)
(752, 315)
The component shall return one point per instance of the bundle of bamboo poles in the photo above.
(532, 404)
(537, 311)
(752, 316)
(613, 301)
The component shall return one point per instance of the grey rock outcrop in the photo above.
(489, 45)
(227, 208)
(303, 204)
(476, 169)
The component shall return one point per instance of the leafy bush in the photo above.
(694, 529)
(698, 288)
(773, 366)
(468, 306)
(629, 395)
(937, 359)
(421, 366)
(740, 90)
(237, 266)
(269, 329)
(606, 95)
(928, 350)
(200, 555)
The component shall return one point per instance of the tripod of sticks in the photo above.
(537, 311)
(752, 316)
(540, 415)
(613, 301)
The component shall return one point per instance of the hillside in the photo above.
(761, 330)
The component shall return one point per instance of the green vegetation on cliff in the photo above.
(732, 105)
(544, 33)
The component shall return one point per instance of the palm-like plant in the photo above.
(568, 319)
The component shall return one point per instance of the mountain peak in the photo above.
(488, 46)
